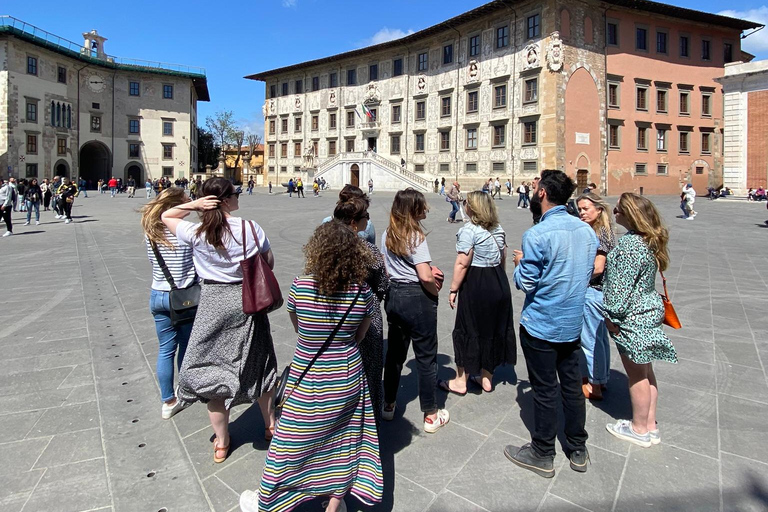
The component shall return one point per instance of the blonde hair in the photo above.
(482, 210)
(643, 218)
(604, 220)
(150, 214)
(405, 231)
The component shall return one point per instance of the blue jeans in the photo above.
(112, 191)
(595, 342)
(454, 210)
(36, 206)
(172, 339)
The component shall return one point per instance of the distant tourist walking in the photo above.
(484, 331)
(45, 186)
(148, 187)
(411, 306)
(553, 270)
(326, 443)
(131, 184)
(453, 197)
(112, 184)
(370, 186)
(688, 197)
(177, 262)
(595, 342)
(230, 358)
(32, 196)
(634, 312)
(6, 205)
(66, 194)
(82, 186)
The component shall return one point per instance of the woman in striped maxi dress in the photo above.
(325, 443)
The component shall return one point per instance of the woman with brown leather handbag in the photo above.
(230, 358)
(634, 312)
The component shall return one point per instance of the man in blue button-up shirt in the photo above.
(553, 269)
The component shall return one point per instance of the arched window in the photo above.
(565, 23)
(53, 113)
(589, 36)
(58, 114)
(69, 116)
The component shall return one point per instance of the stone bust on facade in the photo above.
(531, 55)
(297, 102)
(421, 84)
(332, 99)
(473, 73)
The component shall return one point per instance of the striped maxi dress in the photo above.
(325, 442)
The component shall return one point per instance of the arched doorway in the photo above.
(136, 171)
(582, 126)
(94, 163)
(60, 168)
(354, 175)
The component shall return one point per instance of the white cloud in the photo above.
(290, 3)
(387, 34)
(757, 42)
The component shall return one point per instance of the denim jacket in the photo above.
(557, 264)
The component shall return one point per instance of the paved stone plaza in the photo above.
(80, 407)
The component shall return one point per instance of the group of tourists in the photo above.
(580, 284)
(28, 195)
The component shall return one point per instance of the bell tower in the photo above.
(93, 44)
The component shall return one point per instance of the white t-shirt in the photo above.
(221, 265)
(403, 270)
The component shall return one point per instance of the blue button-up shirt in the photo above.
(558, 259)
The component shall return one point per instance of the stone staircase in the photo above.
(398, 176)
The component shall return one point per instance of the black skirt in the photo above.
(484, 334)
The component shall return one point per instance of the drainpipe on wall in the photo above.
(407, 101)
(513, 93)
(78, 124)
(604, 171)
(456, 108)
(112, 148)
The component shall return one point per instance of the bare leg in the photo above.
(459, 383)
(487, 379)
(333, 505)
(654, 398)
(639, 394)
(267, 412)
(219, 416)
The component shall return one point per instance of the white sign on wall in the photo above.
(582, 138)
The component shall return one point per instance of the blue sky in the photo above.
(241, 37)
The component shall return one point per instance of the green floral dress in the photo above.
(632, 303)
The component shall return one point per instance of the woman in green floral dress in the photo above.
(634, 312)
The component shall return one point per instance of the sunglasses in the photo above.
(616, 210)
(237, 194)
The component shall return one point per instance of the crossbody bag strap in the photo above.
(163, 266)
(664, 284)
(325, 345)
(255, 238)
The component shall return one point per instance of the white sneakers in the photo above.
(249, 501)
(7, 233)
(26, 223)
(432, 426)
(67, 221)
(37, 223)
(170, 410)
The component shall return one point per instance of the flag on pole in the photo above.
(358, 114)
(367, 112)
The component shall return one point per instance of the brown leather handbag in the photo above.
(670, 315)
(261, 292)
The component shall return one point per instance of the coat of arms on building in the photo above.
(531, 56)
(372, 94)
(421, 84)
(555, 52)
(297, 102)
(473, 73)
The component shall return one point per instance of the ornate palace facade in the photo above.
(618, 93)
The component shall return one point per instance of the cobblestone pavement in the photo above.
(80, 418)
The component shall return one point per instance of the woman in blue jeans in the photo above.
(411, 306)
(595, 342)
(178, 259)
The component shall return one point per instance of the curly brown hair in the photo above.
(336, 257)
